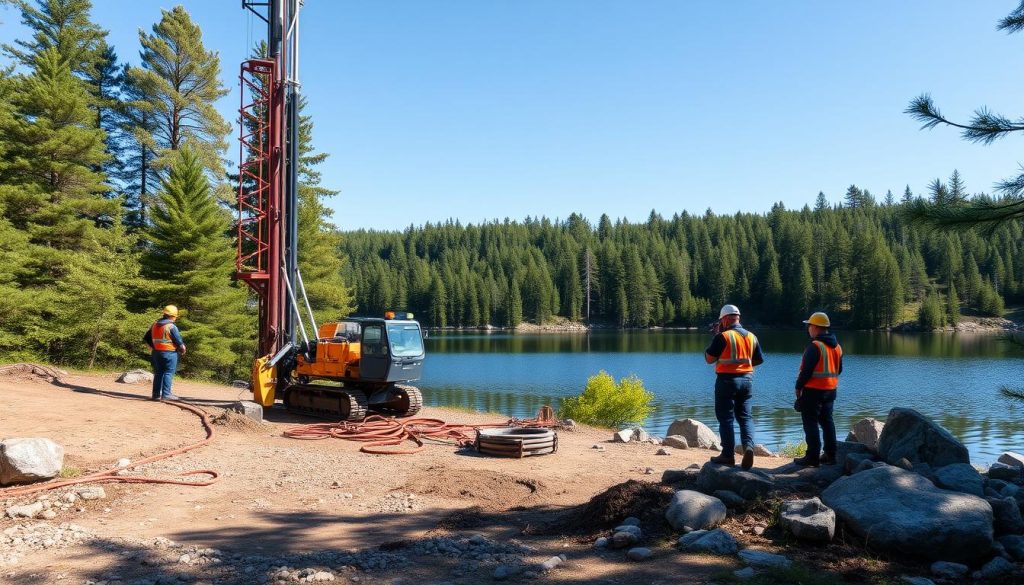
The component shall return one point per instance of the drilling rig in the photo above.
(353, 364)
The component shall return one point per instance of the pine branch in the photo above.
(984, 214)
(1014, 22)
(985, 127)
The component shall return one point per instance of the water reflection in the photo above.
(953, 378)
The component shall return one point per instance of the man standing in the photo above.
(734, 351)
(165, 341)
(816, 390)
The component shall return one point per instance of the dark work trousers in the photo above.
(164, 365)
(732, 400)
(816, 410)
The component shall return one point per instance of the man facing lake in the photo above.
(735, 352)
(816, 390)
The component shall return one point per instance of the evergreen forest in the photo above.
(116, 199)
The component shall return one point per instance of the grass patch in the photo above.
(792, 449)
(69, 472)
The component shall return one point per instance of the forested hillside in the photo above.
(860, 261)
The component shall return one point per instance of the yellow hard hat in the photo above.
(820, 319)
(171, 311)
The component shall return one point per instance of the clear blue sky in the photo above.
(480, 110)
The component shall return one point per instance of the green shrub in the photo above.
(607, 404)
(792, 449)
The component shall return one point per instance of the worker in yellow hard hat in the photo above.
(816, 390)
(165, 340)
(735, 352)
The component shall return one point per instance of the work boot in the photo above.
(724, 459)
(748, 458)
(806, 461)
(171, 397)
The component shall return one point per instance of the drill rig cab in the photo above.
(356, 364)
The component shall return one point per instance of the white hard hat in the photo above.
(728, 310)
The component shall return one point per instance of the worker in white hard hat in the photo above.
(816, 391)
(735, 352)
(165, 340)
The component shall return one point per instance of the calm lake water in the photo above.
(953, 378)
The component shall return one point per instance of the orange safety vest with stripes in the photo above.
(826, 371)
(737, 357)
(161, 334)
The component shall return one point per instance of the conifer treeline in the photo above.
(114, 199)
(860, 261)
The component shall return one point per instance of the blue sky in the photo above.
(485, 110)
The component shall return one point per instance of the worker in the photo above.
(816, 391)
(165, 340)
(735, 352)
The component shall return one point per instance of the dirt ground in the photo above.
(279, 496)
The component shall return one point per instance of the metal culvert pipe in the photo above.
(516, 442)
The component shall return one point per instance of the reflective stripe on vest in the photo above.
(737, 356)
(162, 337)
(826, 371)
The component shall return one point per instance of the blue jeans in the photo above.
(732, 400)
(164, 365)
(816, 410)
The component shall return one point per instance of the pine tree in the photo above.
(190, 261)
(821, 203)
(64, 26)
(908, 195)
(177, 85)
(952, 306)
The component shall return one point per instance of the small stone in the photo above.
(948, 570)
(48, 514)
(184, 559)
(662, 451)
(598, 447)
(764, 560)
(601, 542)
(639, 553)
(123, 462)
(759, 530)
(648, 471)
(551, 563)
(631, 528)
(624, 539)
(745, 573)
(91, 493)
(676, 442)
(996, 568)
(323, 576)
(631, 521)
(26, 511)
(622, 436)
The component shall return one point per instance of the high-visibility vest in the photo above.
(162, 337)
(737, 356)
(826, 371)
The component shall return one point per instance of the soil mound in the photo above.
(486, 489)
(31, 373)
(238, 423)
(643, 500)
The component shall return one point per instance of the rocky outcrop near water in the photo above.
(697, 434)
(910, 435)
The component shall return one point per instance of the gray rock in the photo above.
(694, 509)
(1010, 490)
(638, 554)
(1012, 459)
(631, 528)
(749, 485)
(808, 520)
(622, 436)
(764, 560)
(867, 431)
(676, 441)
(1005, 472)
(948, 570)
(1006, 514)
(1014, 546)
(696, 433)
(671, 476)
(730, 499)
(631, 521)
(850, 437)
(640, 435)
(996, 568)
(896, 510)
(551, 563)
(248, 409)
(960, 477)
(93, 492)
(135, 377)
(29, 460)
(762, 451)
(502, 572)
(744, 573)
(716, 542)
(662, 451)
(924, 470)
(904, 463)
(910, 435)
(854, 460)
(601, 542)
(241, 384)
(917, 580)
(26, 511)
(691, 537)
(624, 539)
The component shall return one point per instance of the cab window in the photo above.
(405, 340)
(373, 340)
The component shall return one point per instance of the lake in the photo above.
(954, 378)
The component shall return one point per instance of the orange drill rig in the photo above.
(350, 365)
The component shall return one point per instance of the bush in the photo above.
(605, 403)
(792, 449)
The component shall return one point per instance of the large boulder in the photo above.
(29, 460)
(898, 510)
(749, 485)
(696, 433)
(960, 477)
(808, 520)
(866, 431)
(694, 510)
(911, 435)
(135, 377)
(1006, 516)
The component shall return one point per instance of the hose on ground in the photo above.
(56, 377)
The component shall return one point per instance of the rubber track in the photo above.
(357, 404)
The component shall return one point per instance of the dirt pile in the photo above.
(238, 423)
(489, 490)
(643, 500)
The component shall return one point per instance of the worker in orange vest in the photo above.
(735, 352)
(816, 390)
(165, 340)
